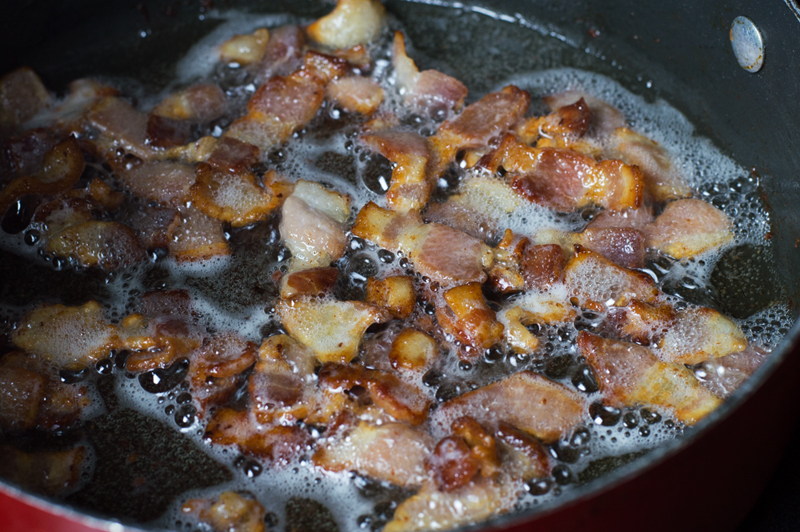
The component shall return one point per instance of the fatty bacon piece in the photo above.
(410, 188)
(457, 459)
(53, 473)
(237, 199)
(245, 49)
(725, 374)
(170, 122)
(312, 226)
(120, 126)
(215, 368)
(283, 105)
(109, 245)
(283, 53)
(391, 452)
(400, 400)
(477, 125)
(689, 227)
(230, 512)
(564, 179)
(72, 338)
(535, 307)
(465, 314)
(275, 443)
(198, 237)
(563, 128)
(528, 401)
(282, 386)
(22, 96)
(446, 255)
(596, 283)
(394, 293)
(70, 115)
(623, 246)
(352, 22)
(630, 375)
(332, 329)
(356, 94)
(60, 170)
(429, 91)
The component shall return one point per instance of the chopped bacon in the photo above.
(391, 452)
(22, 96)
(236, 199)
(446, 255)
(310, 282)
(230, 512)
(351, 22)
(524, 455)
(48, 472)
(198, 237)
(395, 294)
(61, 169)
(356, 94)
(410, 188)
(245, 49)
(57, 215)
(623, 246)
(398, 399)
(466, 316)
(70, 116)
(526, 400)
(153, 226)
(21, 394)
(623, 219)
(598, 283)
(275, 443)
(201, 102)
(103, 195)
(429, 91)
(630, 374)
(698, 335)
(165, 132)
(560, 129)
(663, 181)
(109, 245)
(688, 227)
(121, 126)
(542, 266)
(479, 123)
(332, 329)
(164, 182)
(412, 350)
(643, 323)
(283, 53)
(158, 339)
(71, 337)
(459, 458)
(223, 355)
(233, 156)
(312, 225)
(725, 374)
(324, 67)
(604, 118)
(515, 330)
(24, 155)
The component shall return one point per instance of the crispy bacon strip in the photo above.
(70, 337)
(410, 188)
(525, 400)
(391, 452)
(479, 123)
(352, 22)
(446, 255)
(332, 329)
(689, 227)
(429, 91)
(630, 374)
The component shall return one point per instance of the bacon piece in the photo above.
(109, 245)
(351, 22)
(356, 94)
(167, 132)
(245, 49)
(61, 169)
(459, 458)
(444, 254)
(663, 181)
(524, 456)
(332, 329)
(431, 509)
(283, 53)
(21, 394)
(198, 237)
(70, 116)
(233, 156)
(391, 452)
(410, 188)
(623, 219)
(158, 338)
(561, 129)
(235, 199)
(312, 225)
(230, 512)
(324, 67)
(412, 350)
(429, 91)
(398, 399)
(698, 335)
(24, 155)
(565, 180)
(57, 215)
(542, 266)
(543, 307)
(623, 246)
(167, 183)
(22, 96)
(630, 374)
(639, 322)
(395, 294)
(223, 355)
(479, 123)
(604, 118)
(48, 472)
(153, 226)
(121, 126)
(515, 329)
(201, 102)
(724, 375)
(526, 400)
(467, 317)
(70, 337)
(598, 283)
(277, 444)
(689, 227)
(310, 282)
(103, 195)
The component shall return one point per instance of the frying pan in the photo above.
(706, 480)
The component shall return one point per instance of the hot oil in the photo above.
(238, 293)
